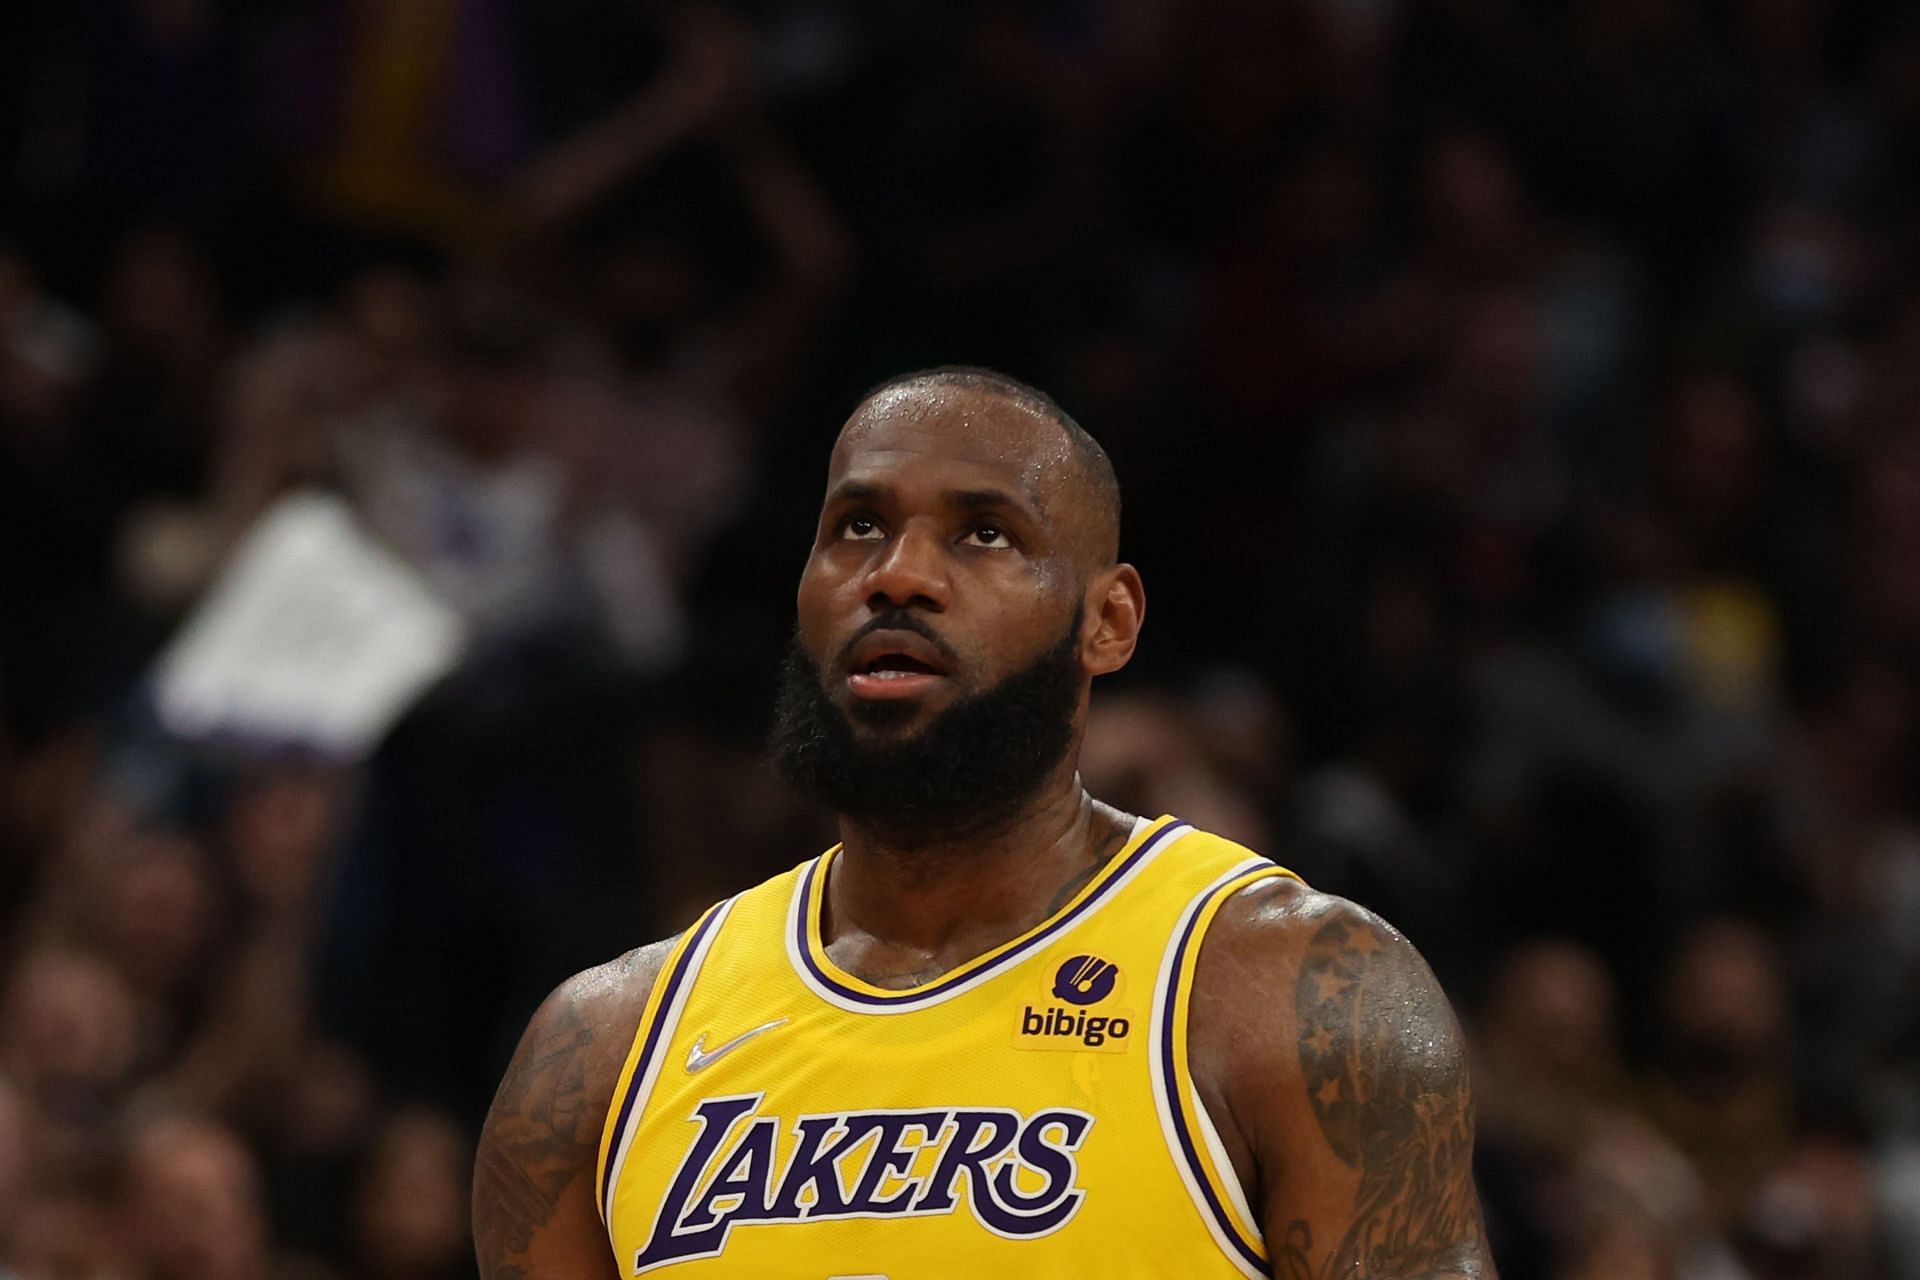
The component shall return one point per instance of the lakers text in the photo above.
(1016, 1173)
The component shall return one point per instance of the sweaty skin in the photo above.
(1322, 1046)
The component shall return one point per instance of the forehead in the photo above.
(954, 430)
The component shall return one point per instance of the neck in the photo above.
(900, 913)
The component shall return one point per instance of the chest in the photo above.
(1026, 1114)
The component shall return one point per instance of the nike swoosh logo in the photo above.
(698, 1059)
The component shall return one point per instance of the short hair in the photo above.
(1096, 468)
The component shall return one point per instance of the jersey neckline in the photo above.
(838, 987)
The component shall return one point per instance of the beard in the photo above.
(970, 769)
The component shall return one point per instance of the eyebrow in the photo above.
(968, 499)
(986, 499)
(856, 491)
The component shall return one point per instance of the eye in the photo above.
(860, 529)
(989, 535)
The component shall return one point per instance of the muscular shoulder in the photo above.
(534, 1203)
(580, 1034)
(1328, 1043)
(1300, 990)
(1281, 962)
(596, 1010)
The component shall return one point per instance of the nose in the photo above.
(911, 570)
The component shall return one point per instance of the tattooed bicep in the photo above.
(1378, 1041)
(536, 1139)
(1384, 1075)
(533, 1205)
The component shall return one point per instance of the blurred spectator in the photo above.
(1552, 1066)
(1719, 1085)
(1151, 755)
(312, 1131)
(190, 1191)
(14, 1156)
(1570, 1172)
(65, 1237)
(70, 1041)
(411, 1210)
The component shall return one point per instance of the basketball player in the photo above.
(1001, 1029)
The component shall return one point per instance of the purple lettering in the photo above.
(888, 1158)
(967, 1152)
(1013, 1213)
(814, 1164)
(716, 1117)
(989, 1147)
(745, 1174)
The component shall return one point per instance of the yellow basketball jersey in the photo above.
(1028, 1114)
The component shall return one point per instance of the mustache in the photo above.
(901, 620)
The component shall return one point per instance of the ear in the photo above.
(1116, 608)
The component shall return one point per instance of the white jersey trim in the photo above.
(647, 1072)
(1226, 1234)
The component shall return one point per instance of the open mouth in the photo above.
(897, 664)
(894, 664)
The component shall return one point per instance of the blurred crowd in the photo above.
(1518, 406)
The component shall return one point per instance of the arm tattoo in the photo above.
(532, 1148)
(1386, 1079)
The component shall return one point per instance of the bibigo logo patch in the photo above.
(1074, 1014)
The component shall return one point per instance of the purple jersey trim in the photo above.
(650, 1049)
(1188, 1150)
(805, 928)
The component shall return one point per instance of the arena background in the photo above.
(1519, 411)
